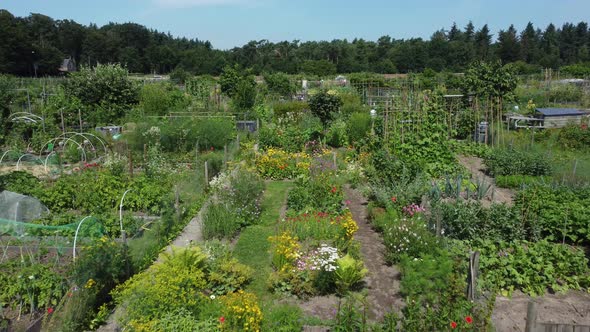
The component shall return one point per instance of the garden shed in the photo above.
(559, 117)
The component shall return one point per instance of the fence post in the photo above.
(130, 161)
(144, 153)
(575, 167)
(473, 271)
(206, 175)
(177, 202)
(334, 159)
(225, 154)
(531, 316)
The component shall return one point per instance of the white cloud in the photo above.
(198, 3)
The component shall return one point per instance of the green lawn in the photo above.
(253, 247)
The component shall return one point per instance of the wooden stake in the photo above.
(531, 317)
(206, 175)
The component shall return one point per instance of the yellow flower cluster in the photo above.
(241, 312)
(278, 164)
(349, 225)
(90, 283)
(285, 249)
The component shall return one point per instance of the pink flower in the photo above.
(347, 202)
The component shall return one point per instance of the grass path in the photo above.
(252, 247)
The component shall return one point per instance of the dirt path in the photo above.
(382, 281)
(495, 195)
(570, 308)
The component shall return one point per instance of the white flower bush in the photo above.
(323, 258)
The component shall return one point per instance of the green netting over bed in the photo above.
(91, 227)
(18, 207)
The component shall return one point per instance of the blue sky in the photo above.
(229, 23)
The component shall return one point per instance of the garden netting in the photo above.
(18, 213)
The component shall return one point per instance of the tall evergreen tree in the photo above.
(550, 47)
(508, 45)
(483, 40)
(529, 44)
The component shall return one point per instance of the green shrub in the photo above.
(30, 287)
(316, 193)
(517, 162)
(283, 318)
(434, 288)
(510, 266)
(324, 104)
(556, 213)
(281, 109)
(337, 135)
(279, 84)
(470, 220)
(176, 282)
(358, 126)
(576, 137)
(21, 182)
(214, 162)
(183, 320)
(349, 272)
(227, 275)
(519, 181)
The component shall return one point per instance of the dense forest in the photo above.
(37, 44)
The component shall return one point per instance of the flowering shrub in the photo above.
(405, 236)
(318, 193)
(174, 283)
(320, 226)
(310, 273)
(323, 258)
(285, 250)
(241, 312)
(278, 164)
(355, 173)
(411, 209)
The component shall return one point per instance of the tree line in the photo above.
(37, 44)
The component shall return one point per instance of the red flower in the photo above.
(453, 325)
(222, 319)
(469, 320)
(49, 311)
(334, 190)
(394, 199)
